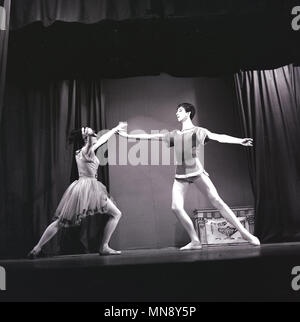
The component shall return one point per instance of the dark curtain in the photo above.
(4, 33)
(84, 11)
(25, 12)
(127, 38)
(36, 161)
(269, 108)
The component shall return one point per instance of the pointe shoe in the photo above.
(109, 251)
(36, 254)
(254, 241)
(192, 246)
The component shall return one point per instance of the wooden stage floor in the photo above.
(230, 273)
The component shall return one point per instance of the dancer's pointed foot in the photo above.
(105, 251)
(35, 253)
(252, 239)
(194, 245)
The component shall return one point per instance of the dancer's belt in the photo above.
(87, 176)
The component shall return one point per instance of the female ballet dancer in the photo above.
(86, 196)
(189, 170)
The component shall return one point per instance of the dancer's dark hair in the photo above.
(188, 108)
(76, 138)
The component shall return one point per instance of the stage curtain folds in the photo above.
(70, 39)
(269, 108)
(25, 12)
(37, 161)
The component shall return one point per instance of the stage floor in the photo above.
(227, 273)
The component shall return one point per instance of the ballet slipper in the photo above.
(35, 254)
(109, 251)
(192, 246)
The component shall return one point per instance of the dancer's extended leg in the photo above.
(49, 233)
(114, 217)
(178, 194)
(206, 186)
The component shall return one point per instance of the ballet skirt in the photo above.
(84, 197)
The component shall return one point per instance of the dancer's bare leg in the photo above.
(206, 186)
(114, 217)
(49, 233)
(178, 194)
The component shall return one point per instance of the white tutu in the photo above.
(84, 197)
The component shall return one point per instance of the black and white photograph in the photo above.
(149, 153)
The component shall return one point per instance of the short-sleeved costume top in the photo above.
(187, 146)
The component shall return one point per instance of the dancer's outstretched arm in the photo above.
(222, 138)
(142, 136)
(104, 138)
(90, 146)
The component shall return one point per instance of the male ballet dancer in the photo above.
(189, 170)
